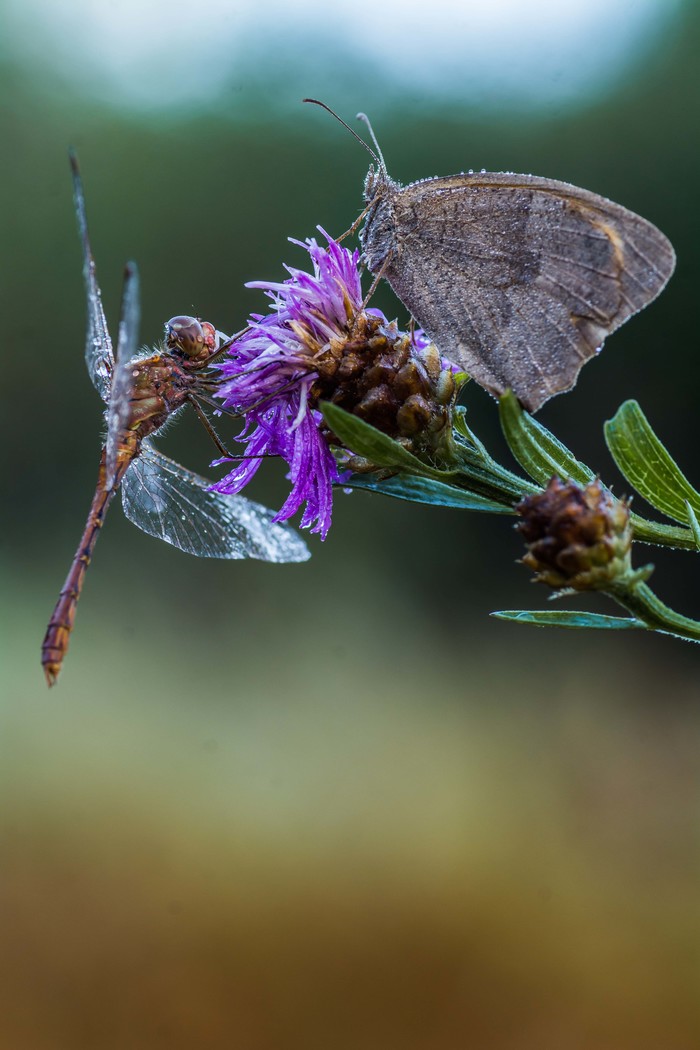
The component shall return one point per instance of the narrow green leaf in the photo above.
(570, 620)
(425, 490)
(542, 455)
(536, 448)
(694, 525)
(459, 422)
(647, 465)
(462, 430)
(365, 440)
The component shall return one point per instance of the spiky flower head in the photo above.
(578, 537)
(318, 343)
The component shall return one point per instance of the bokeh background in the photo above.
(332, 805)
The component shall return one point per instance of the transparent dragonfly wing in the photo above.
(173, 504)
(99, 357)
(118, 410)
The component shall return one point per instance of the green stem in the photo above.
(644, 531)
(478, 472)
(641, 601)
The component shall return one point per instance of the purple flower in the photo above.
(318, 343)
(272, 370)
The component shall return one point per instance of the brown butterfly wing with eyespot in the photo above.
(517, 279)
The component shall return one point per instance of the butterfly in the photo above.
(517, 279)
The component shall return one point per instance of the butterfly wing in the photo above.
(519, 279)
(173, 504)
(98, 345)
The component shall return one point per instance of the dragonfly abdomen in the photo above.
(57, 637)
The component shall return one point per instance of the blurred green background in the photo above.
(332, 805)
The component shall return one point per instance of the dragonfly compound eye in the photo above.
(185, 334)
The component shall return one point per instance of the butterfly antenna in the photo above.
(379, 160)
(365, 120)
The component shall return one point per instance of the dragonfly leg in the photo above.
(210, 429)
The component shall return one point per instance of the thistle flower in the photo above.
(316, 344)
(577, 537)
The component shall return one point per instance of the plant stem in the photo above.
(644, 531)
(478, 472)
(641, 601)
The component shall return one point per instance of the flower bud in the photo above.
(578, 537)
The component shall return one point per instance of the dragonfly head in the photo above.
(191, 338)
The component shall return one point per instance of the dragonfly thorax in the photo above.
(159, 386)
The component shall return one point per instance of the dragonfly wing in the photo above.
(173, 504)
(122, 379)
(99, 357)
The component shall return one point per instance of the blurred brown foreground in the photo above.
(356, 872)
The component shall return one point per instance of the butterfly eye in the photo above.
(185, 334)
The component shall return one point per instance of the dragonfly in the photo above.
(142, 391)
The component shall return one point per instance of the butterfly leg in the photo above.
(358, 220)
(376, 281)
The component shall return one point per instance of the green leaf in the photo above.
(536, 448)
(647, 465)
(542, 455)
(459, 422)
(365, 440)
(570, 620)
(695, 527)
(425, 490)
(463, 431)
